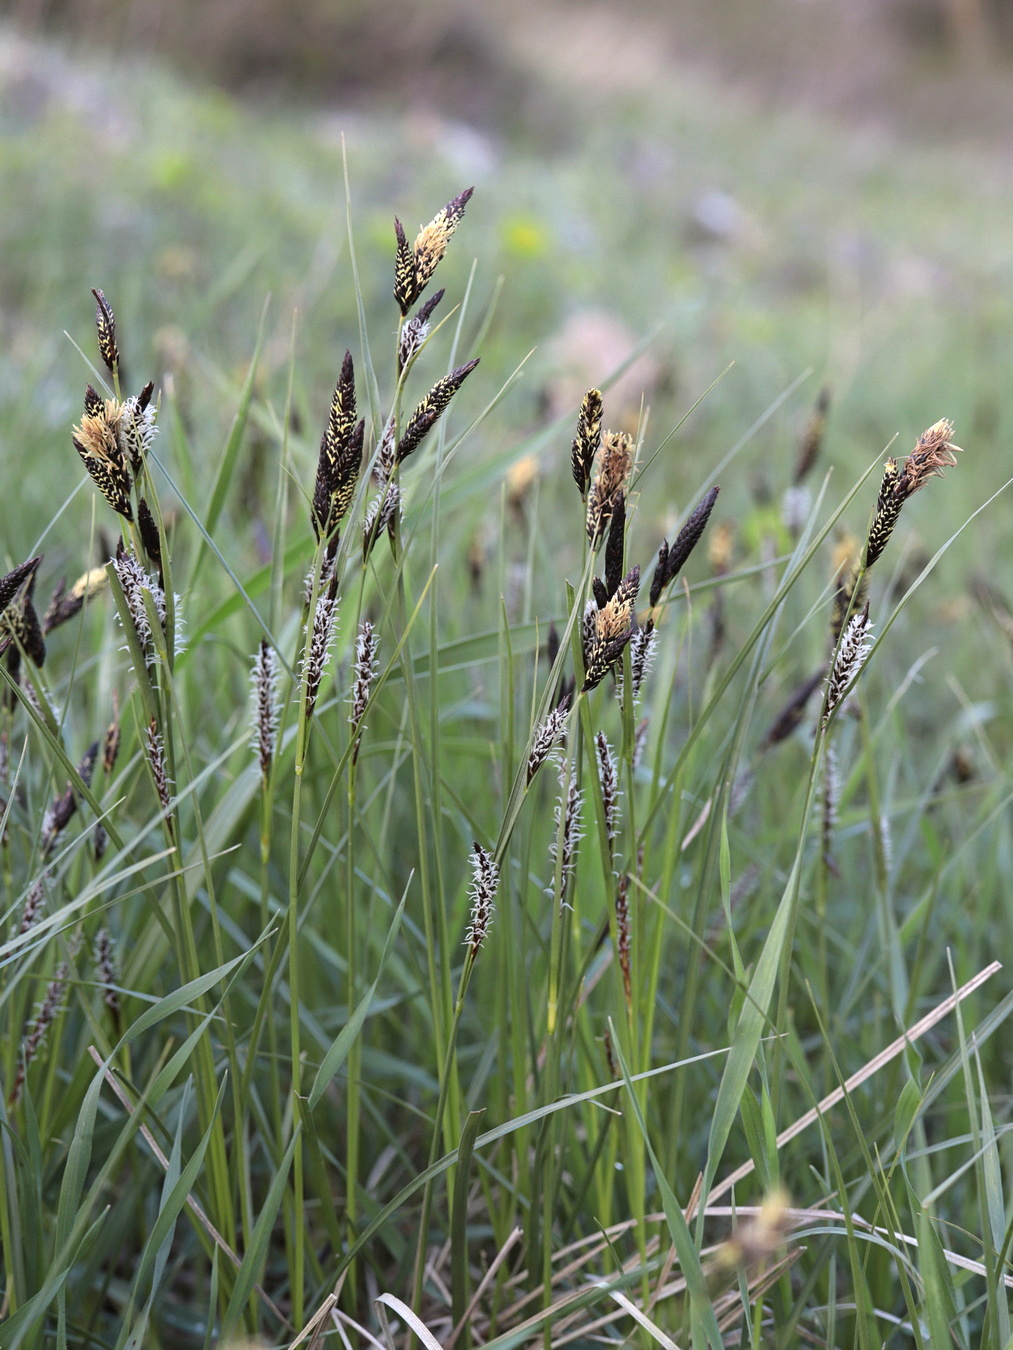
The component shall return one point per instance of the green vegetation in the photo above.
(472, 973)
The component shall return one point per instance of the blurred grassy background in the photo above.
(758, 184)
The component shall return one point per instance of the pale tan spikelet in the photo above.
(97, 440)
(933, 453)
(607, 630)
(615, 461)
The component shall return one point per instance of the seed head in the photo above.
(65, 604)
(415, 332)
(568, 809)
(155, 748)
(315, 663)
(609, 779)
(98, 440)
(340, 457)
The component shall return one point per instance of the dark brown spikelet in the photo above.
(57, 818)
(14, 580)
(587, 441)
(609, 779)
(672, 558)
(93, 402)
(45, 1016)
(615, 547)
(97, 441)
(105, 968)
(21, 622)
(65, 604)
(615, 460)
(891, 499)
(812, 438)
(144, 397)
(484, 884)
(149, 533)
(404, 271)
(105, 324)
(111, 743)
(340, 456)
(156, 760)
(600, 592)
(791, 714)
(34, 902)
(548, 736)
(431, 409)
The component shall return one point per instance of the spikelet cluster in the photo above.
(608, 487)
(607, 630)
(414, 265)
(852, 651)
(266, 708)
(548, 736)
(567, 817)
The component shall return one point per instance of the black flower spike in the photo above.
(105, 324)
(13, 581)
(431, 409)
(340, 456)
(671, 558)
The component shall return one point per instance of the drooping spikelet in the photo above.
(484, 884)
(414, 267)
(65, 604)
(607, 630)
(431, 409)
(265, 706)
(340, 457)
(671, 558)
(587, 441)
(791, 714)
(615, 460)
(15, 579)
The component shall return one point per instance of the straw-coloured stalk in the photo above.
(587, 441)
(671, 558)
(607, 630)
(340, 458)
(414, 267)
(431, 409)
(852, 651)
(933, 453)
(548, 736)
(615, 460)
(265, 706)
(484, 884)
(363, 674)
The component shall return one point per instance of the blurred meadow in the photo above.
(724, 217)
